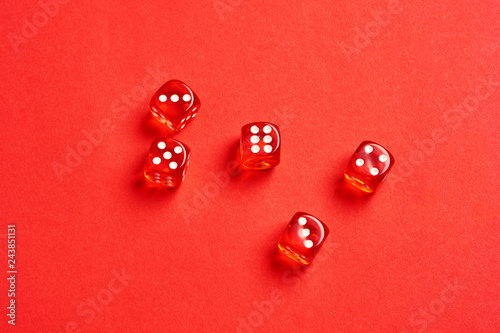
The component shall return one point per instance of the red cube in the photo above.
(175, 105)
(167, 162)
(260, 146)
(303, 237)
(369, 166)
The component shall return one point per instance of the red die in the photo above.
(175, 105)
(260, 145)
(303, 237)
(369, 166)
(167, 162)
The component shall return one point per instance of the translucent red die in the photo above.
(369, 166)
(260, 145)
(174, 105)
(303, 237)
(167, 162)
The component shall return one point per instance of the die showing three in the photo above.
(174, 105)
(369, 166)
(303, 237)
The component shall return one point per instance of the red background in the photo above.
(202, 257)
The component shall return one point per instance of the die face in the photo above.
(260, 145)
(175, 105)
(167, 162)
(303, 237)
(369, 166)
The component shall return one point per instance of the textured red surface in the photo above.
(419, 255)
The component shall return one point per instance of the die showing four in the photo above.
(303, 237)
(167, 162)
(260, 146)
(369, 166)
(174, 105)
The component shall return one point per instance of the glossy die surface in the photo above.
(260, 145)
(303, 237)
(369, 166)
(175, 105)
(167, 162)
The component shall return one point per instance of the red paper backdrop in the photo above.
(420, 255)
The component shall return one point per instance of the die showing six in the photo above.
(260, 146)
